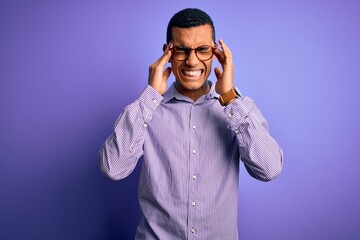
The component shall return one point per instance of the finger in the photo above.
(218, 72)
(219, 55)
(166, 73)
(165, 57)
(225, 49)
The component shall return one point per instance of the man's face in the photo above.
(192, 73)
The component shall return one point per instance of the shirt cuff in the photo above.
(150, 97)
(237, 111)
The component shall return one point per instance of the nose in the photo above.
(192, 59)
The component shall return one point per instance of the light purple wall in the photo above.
(67, 69)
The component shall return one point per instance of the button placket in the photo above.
(193, 170)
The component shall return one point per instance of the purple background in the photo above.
(68, 68)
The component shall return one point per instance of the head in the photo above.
(187, 18)
(191, 28)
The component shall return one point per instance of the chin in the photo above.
(192, 85)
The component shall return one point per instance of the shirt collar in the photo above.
(173, 93)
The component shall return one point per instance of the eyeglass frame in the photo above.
(188, 51)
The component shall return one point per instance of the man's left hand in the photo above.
(225, 78)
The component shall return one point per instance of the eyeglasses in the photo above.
(203, 53)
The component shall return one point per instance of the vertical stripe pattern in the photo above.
(188, 185)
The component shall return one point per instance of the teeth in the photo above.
(193, 73)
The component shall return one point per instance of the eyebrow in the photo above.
(184, 46)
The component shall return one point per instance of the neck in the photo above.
(193, 94)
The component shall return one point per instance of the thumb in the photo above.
(166, 73)
(218, 72)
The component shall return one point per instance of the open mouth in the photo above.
(192, 73)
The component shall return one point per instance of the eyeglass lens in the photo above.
(182, 53)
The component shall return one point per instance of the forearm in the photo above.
(262, 156)
(120, 152)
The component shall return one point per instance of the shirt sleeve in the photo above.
(262, 156)
(120, 152)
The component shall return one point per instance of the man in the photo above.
(191, 137)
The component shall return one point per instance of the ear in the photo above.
(164, 47)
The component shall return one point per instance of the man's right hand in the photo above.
(158, 77)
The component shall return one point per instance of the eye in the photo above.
(203, 49)
(181, 49)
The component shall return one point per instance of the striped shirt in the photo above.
(188, 187)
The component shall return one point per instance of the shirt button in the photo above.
(194, 176)
(236, 131)
(194, 127)
(229, 115)
(193, 230)
(145, 125)
(194, 151)
(155, 101)
(193, 203)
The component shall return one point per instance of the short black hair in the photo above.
(187, 18)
